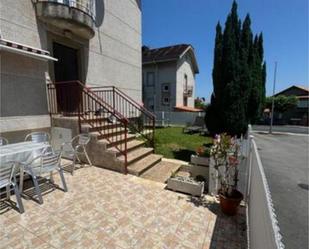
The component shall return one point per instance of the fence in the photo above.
(176, 118)
(263, 229)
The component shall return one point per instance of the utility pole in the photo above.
(273, 101)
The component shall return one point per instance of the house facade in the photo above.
(96, 42)
(169, 78)
(299, 114)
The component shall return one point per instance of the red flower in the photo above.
(233, 160)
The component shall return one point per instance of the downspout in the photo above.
(155, 86)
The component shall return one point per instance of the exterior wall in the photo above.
(184, 67)
(111, 57)
(22, 88)
(115, 50)
(22, 79)
(164, 73)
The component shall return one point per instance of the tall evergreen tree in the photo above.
(239, 76)
(216, 122)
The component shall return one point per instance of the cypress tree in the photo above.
(245, 49)
(215, 121)
(217, 70)
(239, 76)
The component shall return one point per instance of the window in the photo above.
(150, 78)
(303, 103)
(166, 87)
(185, 101)
(165, 101)
(186, 82)
(150, 104)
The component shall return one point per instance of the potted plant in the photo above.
(202, 156)
(225, 152)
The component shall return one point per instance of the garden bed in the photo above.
(172, 143)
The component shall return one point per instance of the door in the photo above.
(66, 77)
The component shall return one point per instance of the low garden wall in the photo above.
(176, 118)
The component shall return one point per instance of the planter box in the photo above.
(196, 170)
(198, 160)
(186, 185)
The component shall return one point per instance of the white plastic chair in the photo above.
(3, 141)
(43, 165)
(76, 147)
(39, 137)
(8, 180)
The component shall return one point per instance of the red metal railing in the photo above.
(141, 121)
(74, 99)
(107, 110)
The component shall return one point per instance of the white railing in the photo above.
(87, 6)
(262, 224)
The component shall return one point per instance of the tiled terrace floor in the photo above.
(105, 209)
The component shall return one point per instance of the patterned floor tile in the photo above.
(15, 236)
(127, 236)
(107, 210)
(69, 236)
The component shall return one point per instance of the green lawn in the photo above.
(171, 142)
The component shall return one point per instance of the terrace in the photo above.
(106, 209)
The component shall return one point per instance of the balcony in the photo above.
(188, 91)
(76, 16)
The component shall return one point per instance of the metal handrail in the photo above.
(107, 106)
(90, 100)
(127, 103)
(138, 105)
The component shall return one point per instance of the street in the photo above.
(285, 161)
(283, 128)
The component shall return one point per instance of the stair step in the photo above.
(131, 145)
(118, 140)
(93, 119)
(100, 126)
(109, 133)
(139, 167)
(161, 171)
(136, 154)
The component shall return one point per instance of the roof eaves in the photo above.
(195, 65)
(159, 61)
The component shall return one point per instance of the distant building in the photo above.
(169, 78)
(298, 115)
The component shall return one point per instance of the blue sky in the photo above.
(284, 25)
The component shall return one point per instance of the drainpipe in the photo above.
(155, 86)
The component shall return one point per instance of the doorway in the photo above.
(66, 74)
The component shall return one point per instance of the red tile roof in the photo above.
(187, 109)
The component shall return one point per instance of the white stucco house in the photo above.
(94, 41)
(74, 66)
(169, 78)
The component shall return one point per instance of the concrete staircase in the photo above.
(119, 126)
(103, 151)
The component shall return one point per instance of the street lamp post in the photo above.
(273, 101)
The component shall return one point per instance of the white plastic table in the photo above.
(22, 152)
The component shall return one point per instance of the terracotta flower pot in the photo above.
(229, 205)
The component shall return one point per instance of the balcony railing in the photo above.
(86, 6)
(188, 91)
